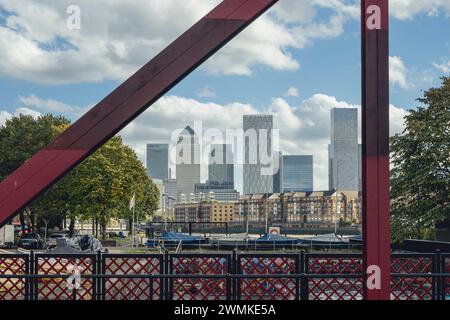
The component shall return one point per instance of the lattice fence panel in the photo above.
(132, 288)
(13, 289)
(335, 288)
(59, 288)
(420, 288)
(268, 288)
(203, 288)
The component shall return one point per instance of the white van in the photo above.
(7, 236)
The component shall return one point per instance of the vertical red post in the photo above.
(375, 150)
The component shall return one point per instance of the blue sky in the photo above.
(312, 47)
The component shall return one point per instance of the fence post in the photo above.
(229, 282)
(298, 269)
(437, 282)
(29, 269)
(97, 281)
(233, 270)
(166, 280)
(34, 261)
(304, 281)
(150, 285)
(237, 270)
(102, 282)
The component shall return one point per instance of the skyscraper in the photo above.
(343, 151)
(221, 167)
(297, 173)
(278, 176)
(258, 156)
(187, 161)
(158, 161)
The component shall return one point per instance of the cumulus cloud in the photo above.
(398, 73)
(407, 9)
(118, 37)
(5, 115)
(292, 92)
(443, 67)
(304, 127)
(53, 106)
(207, 92)
(46, 104)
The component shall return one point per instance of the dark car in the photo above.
(31, 241)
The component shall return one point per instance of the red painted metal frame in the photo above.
(375, 150)
(176, 62)
(127, 102)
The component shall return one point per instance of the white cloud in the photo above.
(207, 92)
(407, 9)
(397, 120)
(304, 128)
(5, 115)
(33, 102)
(46, 104)
(117, 37)
(28, 112)
(292, 92)
(398, 74)
(443, 67)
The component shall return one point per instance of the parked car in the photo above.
(53, 239)
(31, 241)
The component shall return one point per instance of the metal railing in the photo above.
(229, 276)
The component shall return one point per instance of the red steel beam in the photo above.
(127, 102)
(375, 150)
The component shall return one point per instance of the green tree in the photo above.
(109, 178)
(23, 136)
(420, 178)
(100, 188)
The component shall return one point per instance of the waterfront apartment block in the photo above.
(299, 209)
(207, 211)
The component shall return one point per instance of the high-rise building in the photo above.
(187, 161)
(330, 168)
(297, 173)
(278, 176)
(158, 161)
(221, 167)
(170, 192)
(343, 151)
(258, 156)
(359, 167)
(222, 191)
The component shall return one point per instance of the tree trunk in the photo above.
(22, 221)
(72, 227)
(103, 230)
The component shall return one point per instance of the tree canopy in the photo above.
(100, 188)
(420, 178)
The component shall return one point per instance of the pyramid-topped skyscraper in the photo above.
(187, 162)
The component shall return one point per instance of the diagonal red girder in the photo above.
(127, 102)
